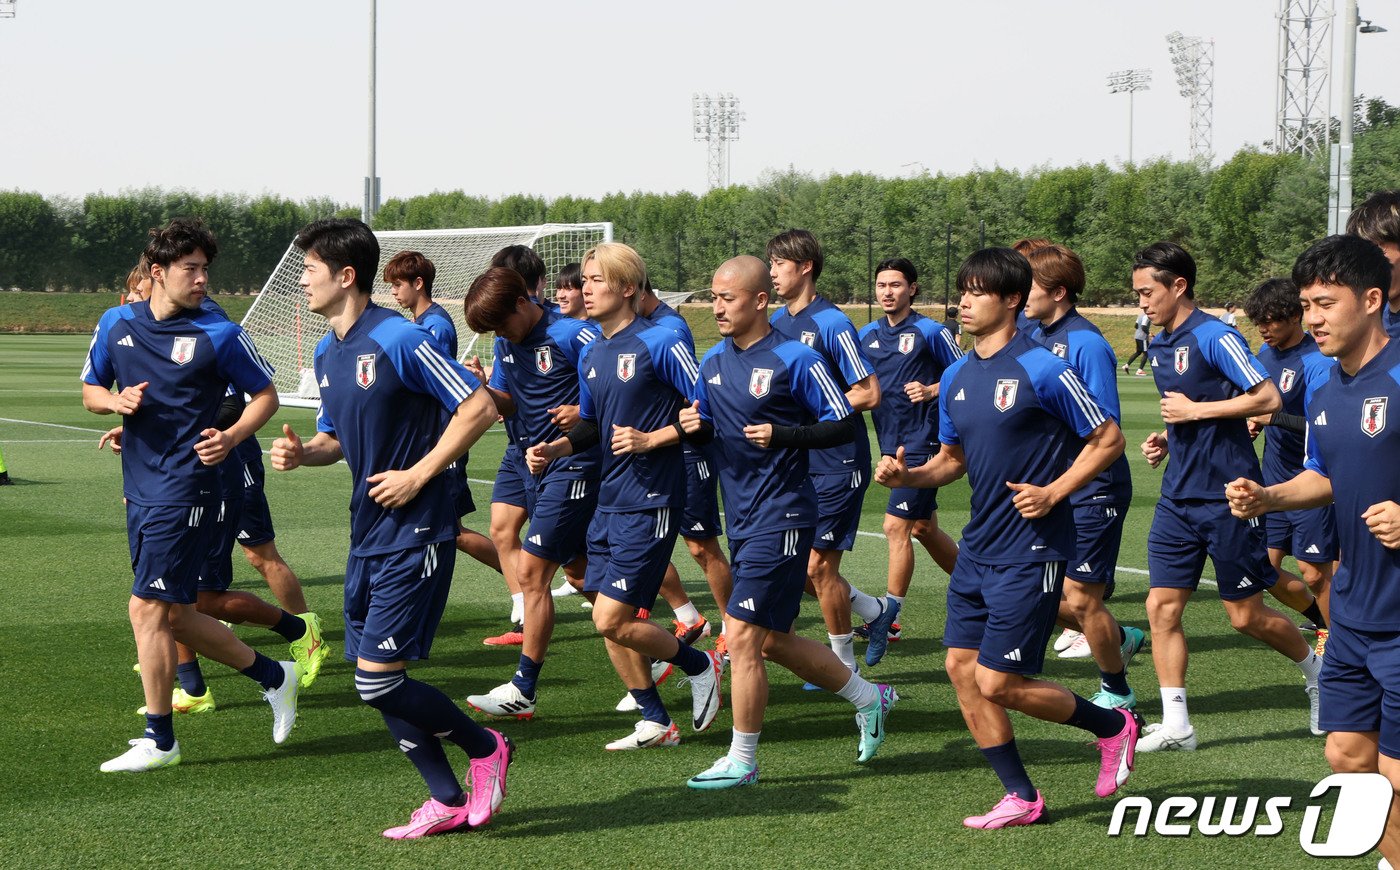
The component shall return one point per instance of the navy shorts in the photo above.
(1005, 612)
(1185, 531)
(217, 574)
(839, 500)
(394, 601)
(1308, 536)
(511, 479)
(255, 519)
(770, 572)
(560, 511)
(169, 547)
(1360, 684)
(462, 502)
(628, 554)
(700, 516)
(1098, 536)
(910, 503)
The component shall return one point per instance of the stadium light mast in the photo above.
(371, 206)
(7, 8)
(1302, 119)
(715, 121)
(1339, 182)
(1194, 61)
(1130, 81)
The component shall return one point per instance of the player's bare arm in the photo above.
(290, 451)
(1249, 499)
(1262, 399)
(1154, 448)
(217, 443)
(864, 395)
(396, 488)
(946, 466)
(625, 439)
(1103, 446)
(100, 400)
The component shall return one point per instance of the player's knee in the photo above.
(1315, 578)
(962, 670)
(608, 621)
(997, 687)
(1164, 613)
(1079, 601)
(1247, 616)
(898, 528)
(923, 532)
(1343, 757)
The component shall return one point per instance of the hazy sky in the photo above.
(584, 98)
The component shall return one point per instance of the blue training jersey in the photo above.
(774, 380)
(383, 390)
(439, 324)
(1076, 340)
(827, 330)
(1350, 440)
(190, 361)
(1206, 361)
(230, 470)
(542, 372)
(640, 377)
(1294, 371)
(915, 349)
(1391, 319)
(665, 315)
(1019, 416)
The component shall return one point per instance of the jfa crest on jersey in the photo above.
(1373, 415)
(809, 338)
(364, 370)
(1286, 379)
(544, 360)
(1060, 349)
(626, 366)
(183, 351)
(1006, 393)
(1183, 360)
(760, 382)
(906, 342)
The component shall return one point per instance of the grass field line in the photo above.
(54, 425)
(50, 441)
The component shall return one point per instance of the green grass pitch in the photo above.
(321, 799)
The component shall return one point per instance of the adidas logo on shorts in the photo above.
(159, 584)
(698, 527)
(829, 536)
(325, 381)
(592, 373)
(536, 540)
(875, 344)
(902, 506)
(620, 584)
(1246, 583)
(407, 745)
(1312, 548)
(388, 644)
(747, 604)
(1014, 655)
(1083, 568)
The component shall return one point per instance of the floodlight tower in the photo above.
(7, 8)
(1130, 81)
(1304, 36)
(715, 121)
(1194, 61)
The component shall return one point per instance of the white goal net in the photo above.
(287, 334)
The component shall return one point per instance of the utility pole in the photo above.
(371, 206)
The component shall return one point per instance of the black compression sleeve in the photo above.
(1291, 422)
(828, 433)
(583, 436)
(230, 410)
(704, 435)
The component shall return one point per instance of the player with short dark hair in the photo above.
(1023, 427)
(1210, 384)
(384, 385)
(1350, 462)
(174, 363)
(568, 292)
(527, 262)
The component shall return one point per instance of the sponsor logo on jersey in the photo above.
(760, 382)
(626, 366)
(1373, 416)
(544, 360)
(126, 342)
(1183, 360)
(809, 339)
(1060, 349)
(325, 381)
(1320, 419)
(183, 350)
(906, 342)
(874, 345)
(959, 397)
(1285, 380)
(1006, 394)
(1154, 362)
(364, 370)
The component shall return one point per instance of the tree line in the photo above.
(1243, 220)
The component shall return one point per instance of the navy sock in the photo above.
(1115, 683)
(161, 729)
(690, 660)
(527, 673)
(652, 708)
(425, 751)
(1095, 719)
(290, 626)
(424, 707)
(1006, 763)
(191, 678)
(265, 671)
(1314, 613)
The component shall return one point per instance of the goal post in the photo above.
(286, 333)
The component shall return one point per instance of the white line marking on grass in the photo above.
(54, 425)
(51, 441)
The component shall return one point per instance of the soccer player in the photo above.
(383, 387)
(1350, 461)
(1295, 364)
(770, 400)
(537, 353)
(1210, 384)
(174, 363)
(909, 353)
(840, 474)
(1230, 318)
(1011, 417)
(1142, 333)
(1377, 220)
(634, 380)
(410, 276)
(568, 292)
(1100, 506)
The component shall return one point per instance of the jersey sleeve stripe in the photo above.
(1237, 352)
(687, 362)
(834, 396)
(952, 345)
(1081, 397)
(439, 368)
(853, 356)
(87, 363)
(253, 354)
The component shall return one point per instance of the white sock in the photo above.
(865, 606)
(897, 599)
(860, 692)
(844, 647)
(1310, 666)
(687, 613)
(1174, 709)
(744, 747)
(517, 607)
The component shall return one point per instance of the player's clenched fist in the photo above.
(215, 446)
(689, 418)
(892, 470)
(625, 439)
(1383, 520)
(287, 450)
(1030, 501)
(1154, 449)
(1246, 498)
(760, 434)
(128, 401)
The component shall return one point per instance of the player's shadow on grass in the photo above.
(326, 580)
(352, 743)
